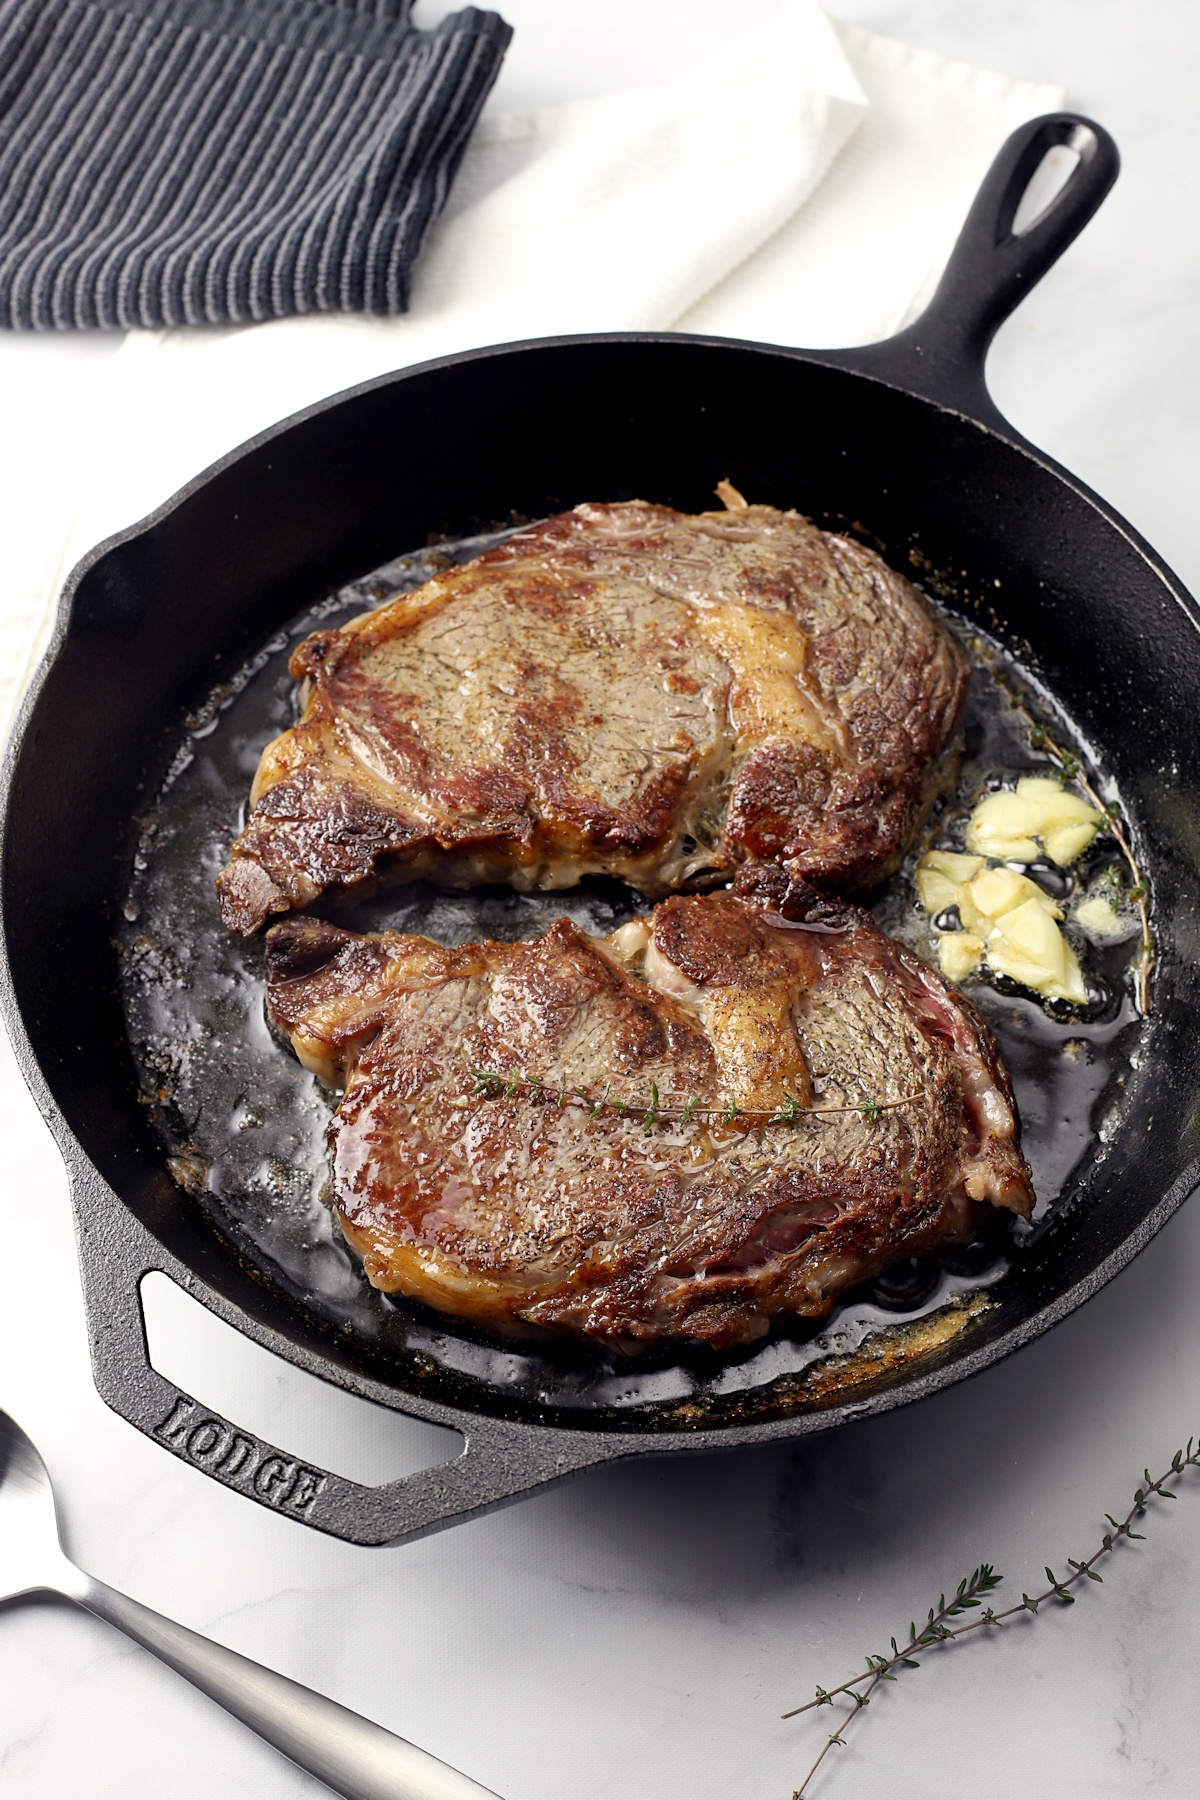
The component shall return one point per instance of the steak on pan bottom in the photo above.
(732, 1110)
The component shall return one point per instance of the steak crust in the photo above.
(621, 690)
(732, 1110)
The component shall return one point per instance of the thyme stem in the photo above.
(967, 1597)
(493, 1084)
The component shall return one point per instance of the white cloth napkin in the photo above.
(804, 185)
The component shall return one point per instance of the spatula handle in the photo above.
(349, 1754)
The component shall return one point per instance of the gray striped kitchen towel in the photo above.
(181, 162)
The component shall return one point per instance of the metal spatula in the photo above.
(351, 1755)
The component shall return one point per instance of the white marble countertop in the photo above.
(638, 1632)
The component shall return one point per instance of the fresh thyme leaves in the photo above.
(1071, 770)
(494, 1084)
(968, 1597)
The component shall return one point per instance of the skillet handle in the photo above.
(941, 355)
(501, 1459)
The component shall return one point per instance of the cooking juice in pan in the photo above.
(243, 1124)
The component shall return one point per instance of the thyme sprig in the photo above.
(968, 1597)
(497, 1084)
(1138, 893)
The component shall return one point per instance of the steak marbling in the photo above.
(734, 1109)
(622, 690)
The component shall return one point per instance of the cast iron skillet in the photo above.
(902, 435)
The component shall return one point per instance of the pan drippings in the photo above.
(243, 1124)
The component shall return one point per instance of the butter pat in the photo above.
(1014, 825)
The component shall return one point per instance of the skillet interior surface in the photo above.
(244, 1123)
(444, 453)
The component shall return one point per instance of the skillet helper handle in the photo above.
(501, 1459)
(354, 1757)
(991, 269)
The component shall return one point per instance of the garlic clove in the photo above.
(959, 954)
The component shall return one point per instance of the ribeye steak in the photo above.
(733, 1109)
(621, 690)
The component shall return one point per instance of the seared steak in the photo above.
(731, 1110)
(623, 690)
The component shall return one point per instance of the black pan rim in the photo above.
(852, 362)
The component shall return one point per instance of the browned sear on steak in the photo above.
(623, 690)
(731, 1110)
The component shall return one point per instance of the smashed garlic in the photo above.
(1009, 823)
(1009, 923)
(939, 875)
(959, 954)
